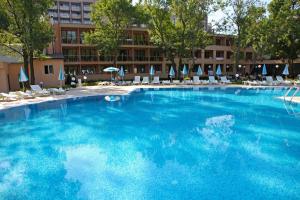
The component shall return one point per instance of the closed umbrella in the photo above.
(171, 73)
(219, 71)
(152, 71)
(264, 70)
(22, 78)
(111, 70)
(199, 71)
(286, 70)
(121, 73)
(184, 71)
(61, 75)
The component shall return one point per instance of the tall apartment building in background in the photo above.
(71, 19)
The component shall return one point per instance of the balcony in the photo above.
(106, 58)
(156, 58)
(64, 15)
(77, 16)
(87, 15)
(89, 58)
(69, 40)
(87, 22)
(140, 42)
(141, 58)
(64, 7)
(71, 58)
(219, 58)
(124, 58)
(76, 8)
(86, 8)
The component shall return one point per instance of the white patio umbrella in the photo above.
(286, 70)
(111, 70)
(152, 71)
(199, 71)
(121, 73)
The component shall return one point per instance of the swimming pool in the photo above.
(196, 143)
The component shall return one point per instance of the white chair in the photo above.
(281, 81)
(56, 91)
(37, 90)
(176, 82)
(145, 80)
(205, 82)
(137, 80)
(225, 80)
(212, 80)
(196, 80)
(156, 80)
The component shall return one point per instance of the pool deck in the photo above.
(111, 90)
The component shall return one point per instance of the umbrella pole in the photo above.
(23, 86)
(111, 76)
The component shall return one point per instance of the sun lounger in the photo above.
(23, 95)
(281, 81)
(145, 80)
(166, 82)
(38, 91)
(196, 80)
(212, 80)
(137, 80)
(176, 82)
(270, 81)
(156, 80)
(188, 82)
(205, 82)
(7, 97)
(56, 91)
(225, 80)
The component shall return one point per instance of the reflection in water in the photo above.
(217, 131)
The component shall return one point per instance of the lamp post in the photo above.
(276, 67)
(239, 66)
(259, 66)
(227, 68)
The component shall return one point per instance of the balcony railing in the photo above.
(106, 58)
(71, 58)
(89, 57)
(156, 58)
(124, 58)
(86, 8)
(141, 58)
(64, 7)
(69, 40)
(76, 15)
(76, 8)
(140, 42)
(219, 58)
(64, 15)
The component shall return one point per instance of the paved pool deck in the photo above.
(111, 90)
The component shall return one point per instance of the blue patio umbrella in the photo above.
(61, 75)
(219, 71)
(152, 71)
(171, 72)
(111, 70)
(264, 70)
(121, 72)
(286, 70)
(199, 71)
(22, 78)
(184, 71)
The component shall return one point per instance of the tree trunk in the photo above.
(32, 77)
(26, 69)
(291, 64)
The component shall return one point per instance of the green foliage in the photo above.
(111, 19)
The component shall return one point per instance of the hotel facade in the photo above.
(71, 19)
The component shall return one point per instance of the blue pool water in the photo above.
(153, 144)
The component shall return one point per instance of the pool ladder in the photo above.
(288, 102)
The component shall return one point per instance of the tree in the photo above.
(27, 30)
(284, 30)
(111, 19)
(235, 23)
(177, 26)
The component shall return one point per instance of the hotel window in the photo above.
(69, 37)
(48, 69)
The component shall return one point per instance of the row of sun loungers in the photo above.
(269, 81)
(36, 91)
(145, 80)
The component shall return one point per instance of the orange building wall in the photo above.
(4, 87)
(49, 80)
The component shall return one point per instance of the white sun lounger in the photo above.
(281, 81)
(205, 82)
(22, 95)
(270, 81)
(7, 97)
(145, 80)
(176, 82)
(56, 91)
(156, 80)
(225, 80)
(137, 80)
(212, 80)
(167, 82)
(38, 91)
(196, 80)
